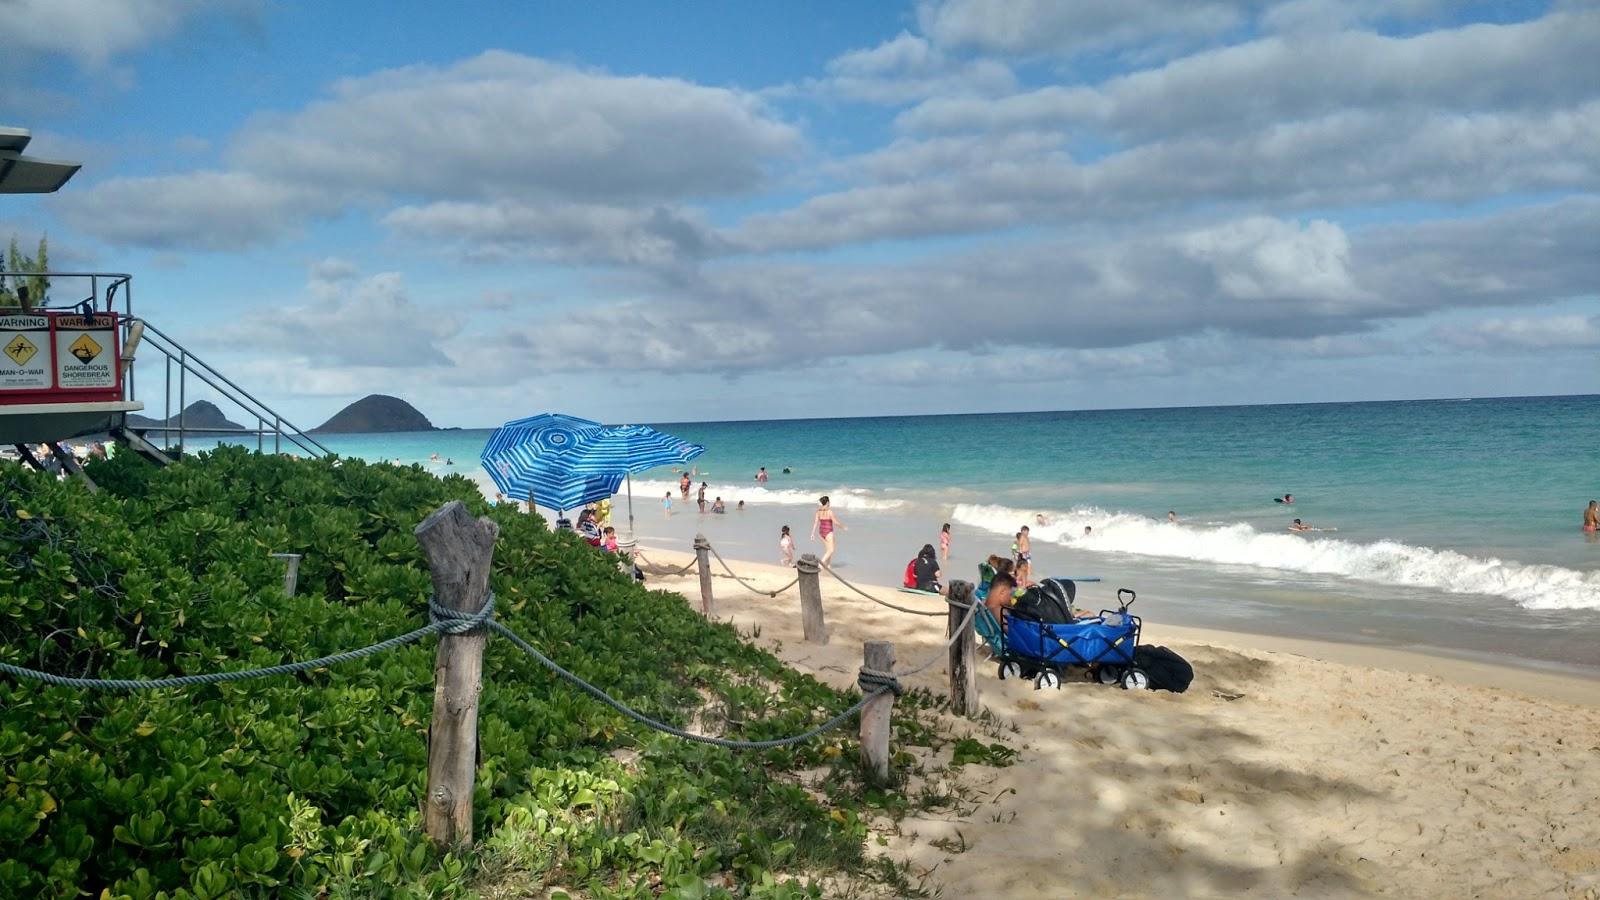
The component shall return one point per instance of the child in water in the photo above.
(785, 547)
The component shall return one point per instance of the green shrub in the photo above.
(310, 784)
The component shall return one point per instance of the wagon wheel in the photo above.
(1136, 679)
(1010, 670)
(1047, 680)
(1109, 675)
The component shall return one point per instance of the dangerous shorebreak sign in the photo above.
(85, 356)
(24, 353)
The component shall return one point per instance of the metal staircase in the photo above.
(163, 442)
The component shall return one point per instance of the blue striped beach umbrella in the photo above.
(532, 459)
(627, 449)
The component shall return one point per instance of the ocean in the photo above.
(1458, 521)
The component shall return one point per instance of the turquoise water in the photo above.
(1451, 515)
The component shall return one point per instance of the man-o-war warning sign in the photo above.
(24, 353)
(85, 356)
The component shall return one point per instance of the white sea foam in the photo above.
(839, 498)
(1382, 562)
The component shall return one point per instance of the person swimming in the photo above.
(1286, 498)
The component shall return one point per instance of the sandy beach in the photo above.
(1289, 768)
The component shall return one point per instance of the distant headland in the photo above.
(376, 414)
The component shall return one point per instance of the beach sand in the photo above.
(1289, 768)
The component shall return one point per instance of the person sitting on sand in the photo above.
(925, 570)
(1591, 516)
(1001, 595)
(740, 507)
(718, 508)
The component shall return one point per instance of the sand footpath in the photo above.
(1290, 768)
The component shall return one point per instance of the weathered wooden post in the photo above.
(702, 558)
(459, 551)
(963, 674)
(291, 572)
(811, 620)
(877, 656)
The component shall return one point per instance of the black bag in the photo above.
(1167, 670)
(1049, 601)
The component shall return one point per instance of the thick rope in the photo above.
(876, 681)
(966, 621)
(664, 570)
(442, 621)
(915, 612)
(643, 719)
(747, 585)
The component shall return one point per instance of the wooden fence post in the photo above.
(460, 551)
(702, 558)
(291, 572)
(963, 673)
(879, 657)
(811, 619)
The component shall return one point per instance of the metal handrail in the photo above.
(114, 281)
(245, 400)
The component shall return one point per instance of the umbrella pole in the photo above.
(630, 506)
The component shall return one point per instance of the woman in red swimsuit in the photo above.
(822, 524)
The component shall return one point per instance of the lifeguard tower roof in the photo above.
(26, 174)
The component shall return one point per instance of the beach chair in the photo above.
(988, 628)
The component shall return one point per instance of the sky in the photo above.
(637, 211)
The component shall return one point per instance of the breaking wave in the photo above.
(1382, 562)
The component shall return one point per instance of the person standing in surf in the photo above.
(944, 542)
(823, 524)
(683, 486)
(1591, 516)
(1024, 558)
(701, 497)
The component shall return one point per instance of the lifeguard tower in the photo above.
(67, 366)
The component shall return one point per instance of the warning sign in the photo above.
(85, 349)
(25, 365)
(83, 352)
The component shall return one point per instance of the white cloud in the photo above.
(586, 233)
(1033, 27)
(93, 32)
(351, 323)
(195, 211)
(495, 137)
(1310, 289)
(500, 123)
(1342, 160)
(1544, 333)
(1278, 79)
(907, 68)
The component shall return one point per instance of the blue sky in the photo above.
(643, 211)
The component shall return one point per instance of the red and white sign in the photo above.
(24, 353)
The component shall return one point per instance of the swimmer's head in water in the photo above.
(1297, 521)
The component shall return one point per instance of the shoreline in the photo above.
(1554, 681)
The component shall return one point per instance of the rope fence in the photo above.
(443, 620)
